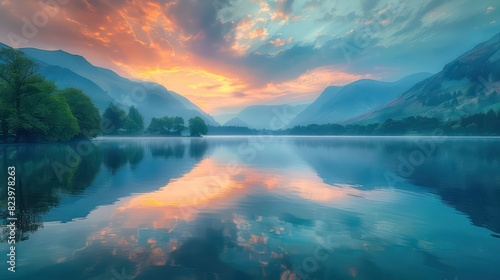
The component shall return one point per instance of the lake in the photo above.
(259, 207)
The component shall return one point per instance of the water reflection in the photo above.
(45, 173)
(241, 208)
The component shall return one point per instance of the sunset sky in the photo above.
(227, 54)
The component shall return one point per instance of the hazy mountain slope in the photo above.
(338, 104)
(152, 100)
(470, 84)
(236, 122)
(65, 78)
(3, 46)
(328, 94)
(266, 116)
(224, 118)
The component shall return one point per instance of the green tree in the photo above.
(197, 126)
(135, 121)
(5, 111)
(178, 125)
(20, 74)
(168, 124)
(87, 114)
(47, 117)
(155, 126)
(113, 119)
(20, 81)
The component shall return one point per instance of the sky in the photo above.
(224, 55)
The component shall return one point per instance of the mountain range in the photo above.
(104, 86)
(339, 104)
(469, 84)
(265, 116)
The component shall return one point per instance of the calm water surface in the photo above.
(256, 208)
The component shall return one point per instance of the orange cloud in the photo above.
(211, 186)
(153, 41)
(259, 33)
(206, 88)
(247, 34)
(278, 42)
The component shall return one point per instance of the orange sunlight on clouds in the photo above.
(207, 89)
(164, 43)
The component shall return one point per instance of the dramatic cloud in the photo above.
(253, 51)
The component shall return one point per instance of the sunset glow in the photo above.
(209, 187)
(248, 51)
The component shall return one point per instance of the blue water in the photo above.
(257, 208)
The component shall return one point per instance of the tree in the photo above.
(33, 109)
(87, 114)
(20, 81)
(5, 111)
(155, 126)
(113, 119)
(20, 74)
(178, 125)
(490, 122)
(45, 116)
(168, 124)
(135, 121)
(197, 126)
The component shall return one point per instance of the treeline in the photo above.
(118, 122)
(34, 109)
(166, 126)
(232, 130)
(480, 124)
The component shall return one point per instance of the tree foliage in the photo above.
(134, 122)
(48, 118)
(475, 124)
(87, 114)
(166, 126)
(114, 119)
(197, 126)
(31, 108)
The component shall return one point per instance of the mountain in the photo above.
(339, 104)
(104, 86)
(65, 78)
(266, 116)
(236, 122)
(470, 84)
(224, 118)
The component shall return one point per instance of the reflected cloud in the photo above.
(193, 200)
(209, 187)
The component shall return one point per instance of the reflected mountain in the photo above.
(466, 176)
(469, 182)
